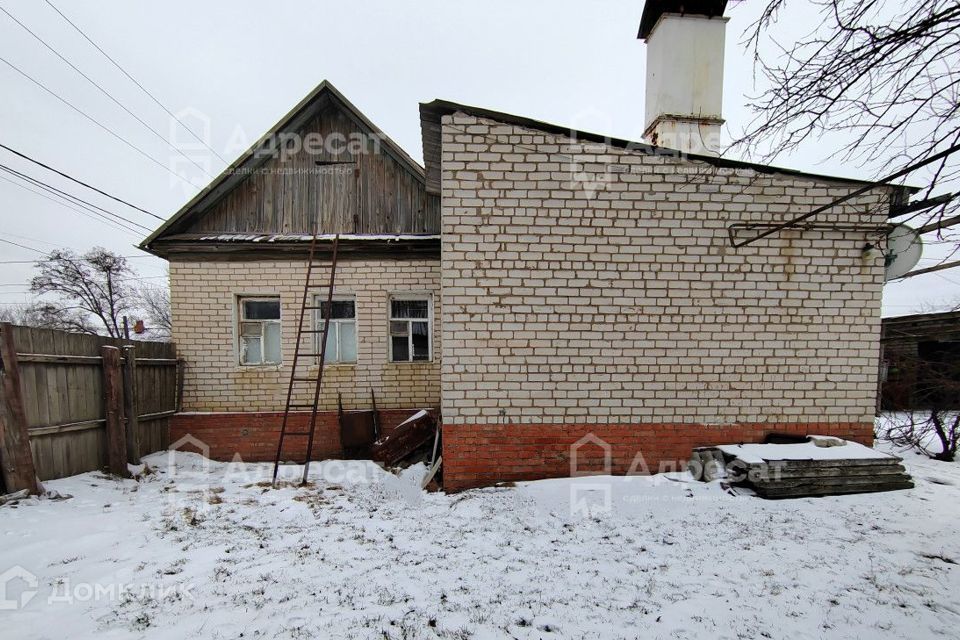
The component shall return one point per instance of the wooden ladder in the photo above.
(307, 307)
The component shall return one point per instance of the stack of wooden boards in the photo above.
(820, 466)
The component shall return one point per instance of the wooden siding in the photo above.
(904, 359)
(364, 193)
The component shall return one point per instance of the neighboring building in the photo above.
(539, 285)
(921, 361)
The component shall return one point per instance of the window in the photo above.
(259, 331)
(409, 328)
(342, 336)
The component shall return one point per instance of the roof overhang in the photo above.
(246, 246)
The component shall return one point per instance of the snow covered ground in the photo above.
(206, 550)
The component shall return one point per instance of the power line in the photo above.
(34, 261)
(81, 201)
(68, 206)
(29, 239)
(98, 123)
(66, 199)
(870, 185)
(134, 81)
(127, 279)
(80, 182)
(72, 199)
(22, 246)
(104, 91)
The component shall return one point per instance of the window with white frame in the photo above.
(410, 328)
(259, 331)
(342, 336)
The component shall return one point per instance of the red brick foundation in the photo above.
(481, 455)
(254, 436)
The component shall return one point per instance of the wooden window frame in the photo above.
(428, 297)
(318, 325)
(241, 320)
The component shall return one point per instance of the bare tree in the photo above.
(928, 385)
(154, 301)
(884, 73)
(47, 316)
(95, 285)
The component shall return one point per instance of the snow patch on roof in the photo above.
(324, 237)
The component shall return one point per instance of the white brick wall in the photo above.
(203, 298)
(598, 285)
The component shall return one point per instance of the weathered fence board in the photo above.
(61, 381)
(18, 472)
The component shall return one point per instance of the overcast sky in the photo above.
(243, 64)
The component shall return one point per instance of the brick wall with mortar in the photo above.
(590, 288)
(203, 296)
(254, 436)
(238, 409)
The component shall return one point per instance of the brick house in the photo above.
(534, 285)
(237, 255)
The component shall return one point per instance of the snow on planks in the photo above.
(411, 435)
(820, 466)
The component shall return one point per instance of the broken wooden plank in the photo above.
(431, 473)
(409, 436)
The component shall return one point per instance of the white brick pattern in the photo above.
(616, 297)
(203, 297)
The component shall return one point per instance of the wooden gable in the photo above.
(323, 169)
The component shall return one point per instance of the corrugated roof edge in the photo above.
(435, 110)
(324, 88)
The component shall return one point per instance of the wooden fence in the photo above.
(73, 395)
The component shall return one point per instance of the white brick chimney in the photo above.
(685, 41)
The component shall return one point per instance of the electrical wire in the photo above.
(22, 246)
(98, 123)
(127, 279)
(105, 92)
(134, 81)
(34, 261)
(67, 201)
(113, 223)
(80, 182)
(79, 201)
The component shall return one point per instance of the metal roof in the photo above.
(653, 9)
(430, 126)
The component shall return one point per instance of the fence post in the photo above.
(113, 411)
(16, 458)
(181, 369)
(131, 403)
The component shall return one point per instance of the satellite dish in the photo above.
(904, 249)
